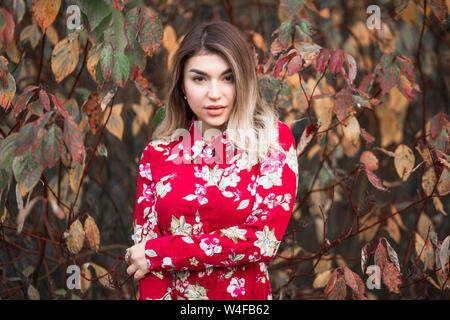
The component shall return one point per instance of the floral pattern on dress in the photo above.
(210, 227)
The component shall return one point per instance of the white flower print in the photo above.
(267, 242)
(234, 233)
(196, 292)
(210, 246)
(137, 235)
(162, 189)
(180, 226)
(236, 287)
(167, 262)
(292, 160)
(271, 179)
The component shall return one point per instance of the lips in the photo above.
(213, 107)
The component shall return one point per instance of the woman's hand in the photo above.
(137, 261)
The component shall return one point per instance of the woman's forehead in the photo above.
(207, 63)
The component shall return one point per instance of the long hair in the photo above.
(252, 126)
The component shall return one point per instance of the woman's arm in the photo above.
(257, 239)
(155, 284)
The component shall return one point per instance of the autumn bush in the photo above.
(363, 88)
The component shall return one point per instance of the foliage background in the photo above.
(342, 219)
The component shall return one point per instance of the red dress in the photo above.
(211, 224)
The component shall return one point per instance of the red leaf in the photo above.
(375, 180)
(366, 83)
(391, 277)
(354, 282)
(369, 160)
(294, 65)
(282, 60)
(322, 59)
(343, 104)
(331, 282)
(380, 256)
(339, 291)
(337, 60)
(73, 139)
(44, 99)
(7, 33)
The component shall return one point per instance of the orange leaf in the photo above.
(92, 233)
(45, 12)
(93, 111)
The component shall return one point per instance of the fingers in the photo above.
(131, 269)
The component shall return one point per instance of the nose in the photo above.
(214, 91)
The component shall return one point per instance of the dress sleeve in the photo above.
(255, 240)
(155, 284)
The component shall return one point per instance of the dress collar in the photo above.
(217, 148)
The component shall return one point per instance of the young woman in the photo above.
(217, 183)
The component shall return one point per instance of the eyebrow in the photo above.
(205, 74)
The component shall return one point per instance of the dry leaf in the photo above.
(115, 123)
(322, 279)
(92, 233)
(403, 161)
(23, 213)
(393, 230)
(32, 292)
(75, 237)
(103, 276)
(439, 206)
(425, 252)
(428, 181)
(425, 226)
(85, 273)
(305, 141)
(443, 186)
(352, 130)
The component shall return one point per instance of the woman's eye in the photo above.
(229, 78)
(198, 78)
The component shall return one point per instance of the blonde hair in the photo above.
(252, 126)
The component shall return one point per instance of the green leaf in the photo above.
(143, 25)
(95, 10)
(120, 70)
(47, 148)
(285, 33)
(98, 32)
(25, 139)
(27, 171)
(106, 60)
(7, 150)
(115, 33)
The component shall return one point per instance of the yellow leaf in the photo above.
(403, 161)
(115, 123)
(85, 275)
(259, 42)
(393, 230)
(75, 237)
(64, 58)
(321, 279)
(428, 181)
(45, 11)
(424, 226)
(169, 38)
(439, 206)
(92, 61)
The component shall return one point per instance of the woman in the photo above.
(218, 181)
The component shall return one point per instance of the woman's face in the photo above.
(208, 84)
